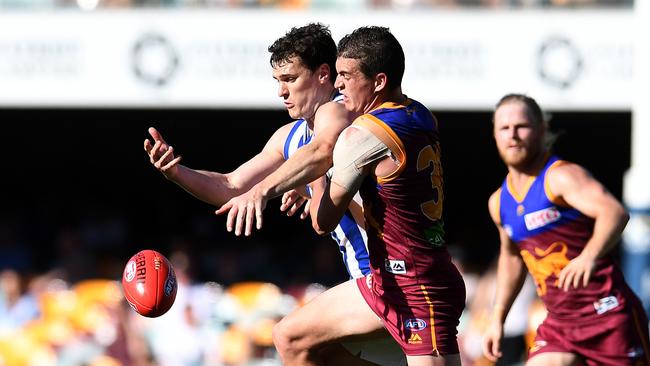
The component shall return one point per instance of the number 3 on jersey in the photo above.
(429, 156)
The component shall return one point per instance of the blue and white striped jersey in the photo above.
(350, 233)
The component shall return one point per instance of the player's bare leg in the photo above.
(555, 359)
(337, 313)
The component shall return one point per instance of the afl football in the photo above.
(149, 283)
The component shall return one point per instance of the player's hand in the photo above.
(577, 272)
(292, 201)
(243, 211)
(492, 341)
(161, 155)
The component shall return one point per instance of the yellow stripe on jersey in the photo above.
(497, 204)
(547, 188)
(519, 196)
(434, 342)
(388, 137)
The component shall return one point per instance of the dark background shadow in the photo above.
(77, 190)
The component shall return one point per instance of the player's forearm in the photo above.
(305, 165)
(317, 190)
(511, 274)
(608, 228)
(210, 187)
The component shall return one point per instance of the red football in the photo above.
(149, 283)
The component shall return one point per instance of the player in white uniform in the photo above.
(297, 153)
(350, 233)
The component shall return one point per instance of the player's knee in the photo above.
(282, 338)
(287, 338)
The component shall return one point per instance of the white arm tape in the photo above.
(352, 152)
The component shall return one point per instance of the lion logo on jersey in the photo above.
(550, 262)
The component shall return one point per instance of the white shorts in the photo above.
(382, 351)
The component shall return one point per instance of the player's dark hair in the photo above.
(312, 43)
(377, 50)
(532, 108)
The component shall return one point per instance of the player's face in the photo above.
(518, 139)
(301, 89)
(358, 91)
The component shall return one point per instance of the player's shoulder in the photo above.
(332, 116)
(284, 131)
(563, 171)
(331, 108)
(494, 203)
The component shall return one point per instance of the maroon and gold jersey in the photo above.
(413, 278)
(549, 234)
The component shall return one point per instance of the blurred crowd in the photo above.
(327, 4)
(46, 319)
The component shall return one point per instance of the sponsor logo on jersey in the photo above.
(537, 219)
(395, 266)
(415, 339)
(415, 324)
(537, 346)
(605, 304)
(546, 263)
(369, 281)
(129, 272)
(635, 353)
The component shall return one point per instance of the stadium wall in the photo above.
(204, 58)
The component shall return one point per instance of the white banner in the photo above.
(217, 58)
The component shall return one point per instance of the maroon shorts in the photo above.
(618, 337)
(425, 321)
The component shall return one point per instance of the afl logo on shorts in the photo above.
(415, 324)
(129, 271)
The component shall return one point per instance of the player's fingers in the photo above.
(171, 163)
(292, 210)
(165, 155)
(154, 151)
(496, 352)
(232, 211)
(156, 135)
(577, 279)
(488, 350)
(305, 212)
(585, 278)
(249, 218)
(567, 281)
(258, 215)
(291, 200)
(147, 145)
(298, 204)
(224, 208)
(239, 224)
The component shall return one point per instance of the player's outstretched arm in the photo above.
(572, 185)
(306, 164)
(357, 153)
(314, 159)
(213, 187)
(511, 274)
